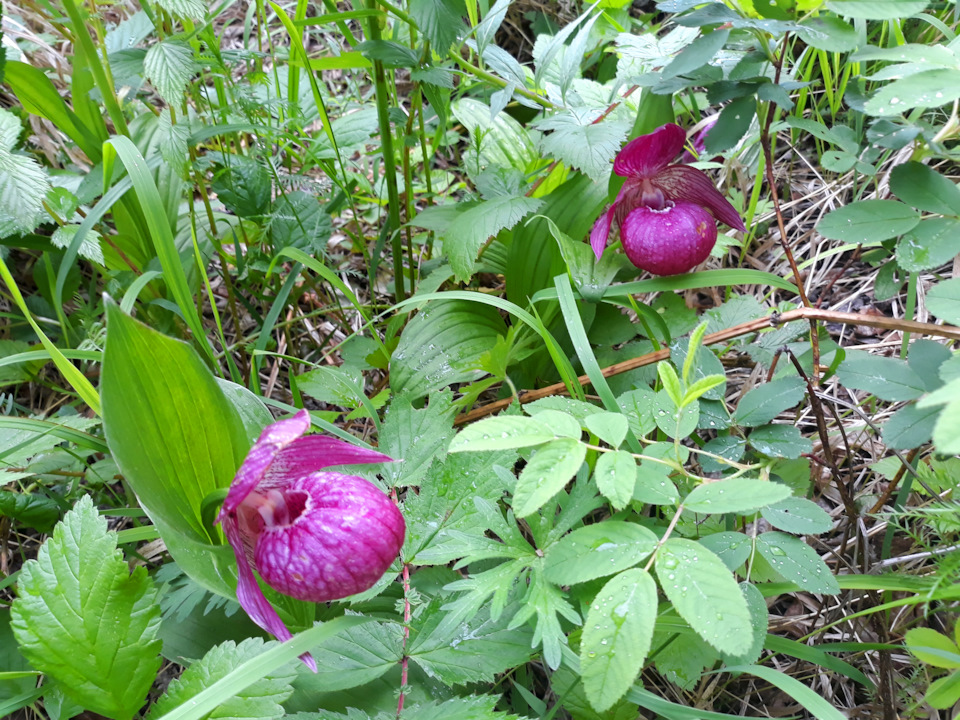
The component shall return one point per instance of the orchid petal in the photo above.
(272, 440)
(310, 453)
(251, 597)
(601, 231)
(682, 183)
(645, 156)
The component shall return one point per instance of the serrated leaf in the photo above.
(439, 20)
(500, 433)
(910, 427)
(925, 189)
(783, 441)
(414, 437)
(78, 586)
(580, 143)
(887, 378)
(610, 427)
(733, 548)
(759, 620)
(33, 510)
(617, 635)
(89, 247)
(546, 473)
(169, 65)
(596, 551)
(868, 221)
(705, 594)
(616, 476)
(23, 186)
(297, 220)
(735, 495)
(259, 701)
(354, 657)
(193, 9)
(799, 516)
(638, 407)
(797, 562)
(546, 601)
(762, 404)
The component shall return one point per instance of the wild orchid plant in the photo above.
(662, 209)
(315, 536)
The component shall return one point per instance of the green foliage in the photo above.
(84, 620)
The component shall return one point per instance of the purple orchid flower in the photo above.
(662, 209)
(315, 536)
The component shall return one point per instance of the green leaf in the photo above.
(829, 33)
(820, 708)
(90, 248)
(675, 422)
(472, 224)
(617, 635)
(414, 437)
(671, 383)
(547, 602)
(733, 548)
(563, 424)
(442, 345)
(733, 123)
(23, 182)
(297, 220)
(877, 9)
(799, 516)
(910, 427)
(476, 651)
(610, 427)
(759, 620)
(946, 433)
(932, 243)
(355, 657)
(797, 562)
(696, 55)
(500, 433)
(868, 221)
(78, 586)
(705, 594)
(783, 441)
(439, 20)
(926, 358)
(546, 473)
(735, 495)
(701, 387)
(943, 300)
(596, 551)
(193, 9)
(887, 378)
(930, 88)
(653, 486)
(762, 404)
(638, 407)
(169, 65)
(944, 692)
(932, 648)
(925, 189)
(258, 701)
(36, 510)
(581, 143)
(616, 476)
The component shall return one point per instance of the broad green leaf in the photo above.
(944, 692)
(932, 648)
(609, 427)
(783, 441)
(926, 358)
(877, 9)
(546, 473)
(868, 221)
(653, 486)
(500, 433)
(439, 20)
(638, 407)
(675, 422)
(735, 495)
(90, 248)
(733, 123)
(925, 189)
(759, 620)
(910, 427)
(697, 54)
(82, 618)
(414, 437)
(705, 594)
(596, 551)
(829, 33)
(943, 300)
(441, 346)
(799, 516)
(762, 404)
(617, 635)
(193, 9)
(297, 219)
(932, 243)
(258, 701)
(887, 378)
(733, 548)
(23, 183)
(946, 433)
(930, 88)
(797, 562)
(616, 476)
(562, 424)
(37, 511)
(169, 65)
(582, 143)
(173, 433)
(13, 661)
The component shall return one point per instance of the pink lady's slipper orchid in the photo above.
(315, 536)
(662, 209)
